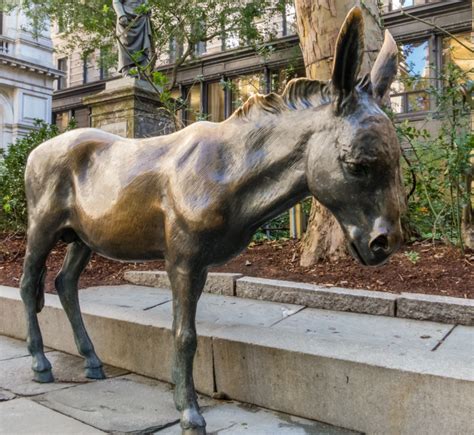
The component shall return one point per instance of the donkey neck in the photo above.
(273, 151)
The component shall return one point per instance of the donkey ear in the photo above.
(385, 68)
(348, 56)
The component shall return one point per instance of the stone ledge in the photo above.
(360, 385)
(217, 283)
(131, 339)
(436, 308)
(313, 296)
(367, 398)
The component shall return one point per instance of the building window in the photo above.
(409, 90)
(279, 79)
(244, 87)
(193, 103)
(85, 70)
(200, 48)
(104, 64)
(230, 40)
(82, 117)
(289, 20)
(458, 53)
(4, 45)
(62, 66)
(394, 5)
(175, 49)
(61, 26)
(62, 119)
(178, 104)
(215, 102)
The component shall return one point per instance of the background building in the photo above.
(27, 77)
(224, 74)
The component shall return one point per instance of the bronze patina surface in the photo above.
(195, 197)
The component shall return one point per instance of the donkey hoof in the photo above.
(194, 431)
(44, 377)
(192, 422)
(95, 373)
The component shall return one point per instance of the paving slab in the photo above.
(459, 345)
(12, 348)
(230, 311)
(125, 296)
(239, 419)
(23, 416)
(396, 334)
(6, 395)
(124, 404)
(68, 370)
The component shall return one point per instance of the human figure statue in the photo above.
(134, 33)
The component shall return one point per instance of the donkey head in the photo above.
(356, 172)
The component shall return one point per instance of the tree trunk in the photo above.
(318, 24)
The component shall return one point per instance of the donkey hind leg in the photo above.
(39, 244)
(187, 287)
(77, 257)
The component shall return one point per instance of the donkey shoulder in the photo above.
(202, 175)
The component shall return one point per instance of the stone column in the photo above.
(129, 108)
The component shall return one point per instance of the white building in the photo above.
(27, 75)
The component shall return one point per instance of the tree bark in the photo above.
(318, 23)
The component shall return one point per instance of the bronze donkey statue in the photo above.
(196, 197)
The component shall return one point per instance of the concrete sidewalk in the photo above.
(373, 374)
(124, 403)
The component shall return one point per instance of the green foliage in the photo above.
(413, 256)
(13, 214)
(440, 160)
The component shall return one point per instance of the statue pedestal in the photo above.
(129, 108)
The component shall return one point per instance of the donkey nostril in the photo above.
(380, 243)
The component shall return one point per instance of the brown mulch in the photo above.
(421, 267)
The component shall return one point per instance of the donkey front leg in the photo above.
(187, 285)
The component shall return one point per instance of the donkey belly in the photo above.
(124, 240)
(125, 226)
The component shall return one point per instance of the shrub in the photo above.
(440, 161)
(13, 214)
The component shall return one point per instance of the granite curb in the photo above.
(442, 309)
(217, 283)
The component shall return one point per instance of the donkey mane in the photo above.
(299, 94)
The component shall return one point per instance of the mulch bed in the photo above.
(421, 267)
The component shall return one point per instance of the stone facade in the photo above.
(27, 77)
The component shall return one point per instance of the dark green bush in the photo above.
(13, 215)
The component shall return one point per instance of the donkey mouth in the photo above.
(355, 253)
(376, 260)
